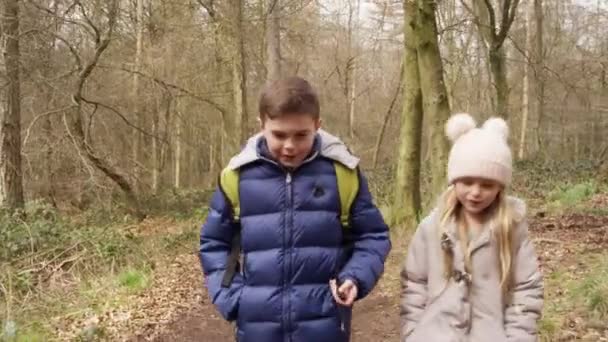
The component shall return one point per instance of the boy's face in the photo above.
(290, 137)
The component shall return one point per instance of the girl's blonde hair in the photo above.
(501, 221)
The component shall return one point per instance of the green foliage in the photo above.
(380, 182)
(594, 290)
(569, 195)
(43, 242)
(536, 178)
(56, 264)
(41, 229)
(181, 204)
(134, 280)
(13, 332)
(185, 240)
(91, 332)
(547, 327)
(584, 294)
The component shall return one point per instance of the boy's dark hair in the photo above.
(291, 95)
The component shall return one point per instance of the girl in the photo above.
(471, 272)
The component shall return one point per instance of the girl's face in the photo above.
(476, 194)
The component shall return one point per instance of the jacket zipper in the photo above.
(288, 249)
(450, 240)
(287, 235)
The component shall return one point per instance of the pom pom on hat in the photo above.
(497, 125)
(458, 125)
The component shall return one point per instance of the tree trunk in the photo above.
(565, 141)
(48, 102)
(452, 74)
(215, 153)
(76, 122)
(239, 78)
(155, 152)
(604, 119)
(525, 98)
(230, 51)
(540, 78)
(352, 98)
(499, 76)
(221, 36)
(137, 115)
(576, 154)
(165, 143)
(406, 202)
(350, 74)
(434, 94)
(76, 125)
(178, 151)
(596, 145)
(11, 178)
(386, 119)
(273, 40)
(494, 34)
(47, 127)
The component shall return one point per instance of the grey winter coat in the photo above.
(470, 307)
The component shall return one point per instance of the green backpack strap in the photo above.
(229, 182)
(348, 187)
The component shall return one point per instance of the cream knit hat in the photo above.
(478, 152)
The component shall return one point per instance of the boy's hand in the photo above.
(345, 294)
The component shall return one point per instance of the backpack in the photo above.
(348, 187)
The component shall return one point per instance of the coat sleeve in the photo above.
(525, 303)
(371, 242)
(215, 244)
(414, 279)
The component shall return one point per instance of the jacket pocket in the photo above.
(331, 309)
(446, 318)
(437, 329)
(240, 335)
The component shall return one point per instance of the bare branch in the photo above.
(272, 7)
(87, 135)
(78, 149)
(223, 111)
(492, 17)
(469, 9)
(100, 48)
(452, 27)
(484, 28)
(72, 49)
(62, 17)
(209, 7)
(40, 116)
(119, 114)
(97, 35)
(506, 6)
(508, 16)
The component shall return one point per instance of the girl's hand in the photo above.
(344, 295)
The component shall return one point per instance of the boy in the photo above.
(303, 266)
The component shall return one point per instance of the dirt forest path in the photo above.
(376, 317)
(177, 307)
(375, 320)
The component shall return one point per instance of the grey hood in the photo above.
(331, 147)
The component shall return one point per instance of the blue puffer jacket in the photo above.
(292, 245)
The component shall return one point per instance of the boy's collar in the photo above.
(326, 145)
(264, 152)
